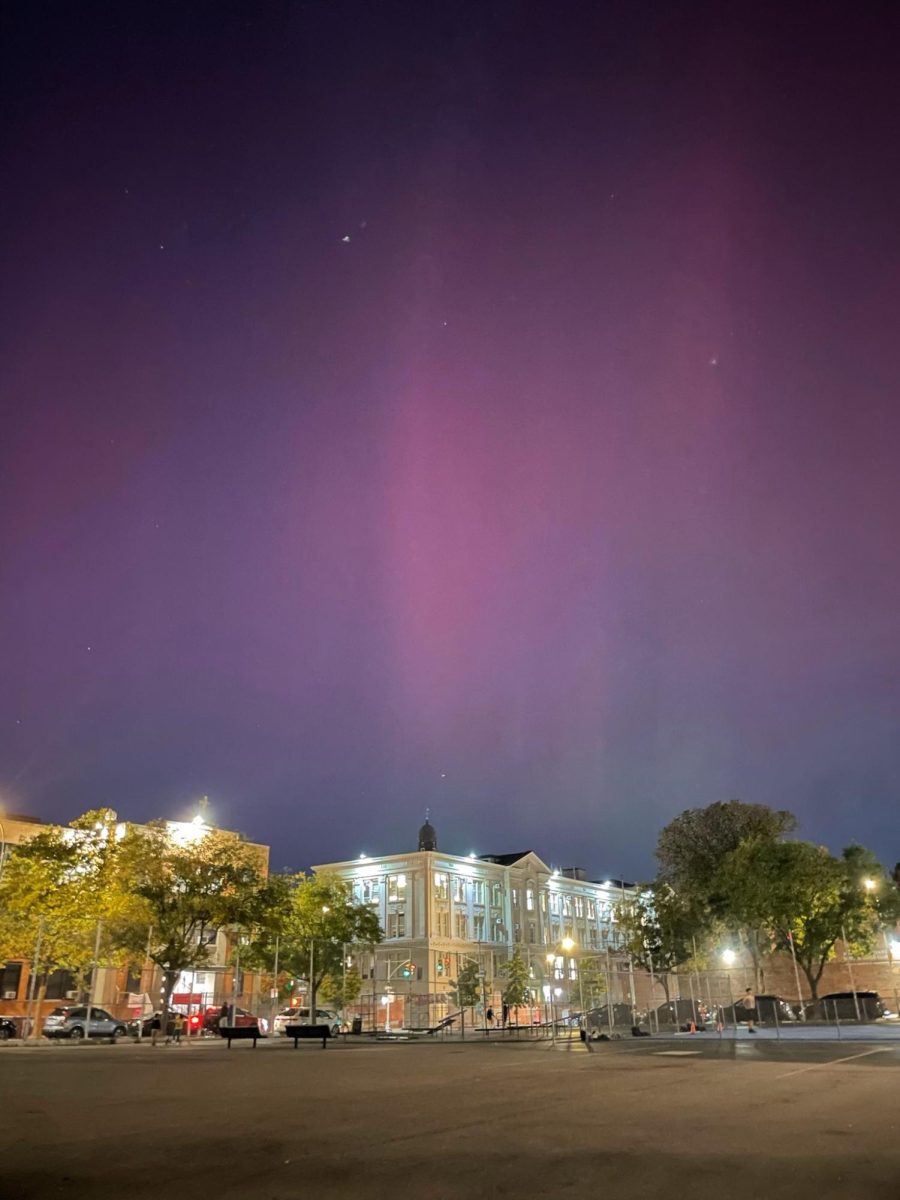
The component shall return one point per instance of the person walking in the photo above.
(490, 1018)
(155, 1026)
(178, 1028)
(748, 1004)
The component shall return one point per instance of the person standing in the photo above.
(178, 1028)
(748, 1004)
(155, 1026)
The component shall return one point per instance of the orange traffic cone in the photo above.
(693, 1026)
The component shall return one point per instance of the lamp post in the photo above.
(2, 849)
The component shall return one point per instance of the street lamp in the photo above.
(870, 884)
(729, 958)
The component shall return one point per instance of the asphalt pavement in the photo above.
(696, 1117)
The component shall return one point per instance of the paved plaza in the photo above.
(696, 1117)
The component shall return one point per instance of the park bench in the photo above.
(239, 1033)
(308, 1032)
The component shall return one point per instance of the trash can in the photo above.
(356, 1026)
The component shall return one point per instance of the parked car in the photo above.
(145, 1026)
(300, 1016)
(769, 1010)
(72, 1023)
(843, 1006)
(622, 1017)
(240, 1018)
(8, 1029)
(681, 1013)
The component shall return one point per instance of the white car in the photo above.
(300, 1016)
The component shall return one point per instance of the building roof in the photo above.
(505, 860)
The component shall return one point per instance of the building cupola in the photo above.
(427, 834)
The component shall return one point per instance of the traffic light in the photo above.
(408, 970)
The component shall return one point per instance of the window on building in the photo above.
(532, 933)
(459, 890)
(515, 897)
(478, 922)
(543, 901)
(58, 984)
(555, 931)
(591, 910)
(396, 924)
(529, 899)
(442, 922)
(595, 937)
(554, 902)
(496, 894)
(579, 906)
(517, 932)
(567, 906)
(462, 926)
(396, 885)
(10, 978)
(441, 885)
(573, 969)
(499, 932)
(478, 891)
(557, 967)
(369, 891)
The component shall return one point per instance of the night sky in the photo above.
(485, 407)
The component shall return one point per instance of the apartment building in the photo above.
(440, 911)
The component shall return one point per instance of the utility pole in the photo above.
(87, 1024)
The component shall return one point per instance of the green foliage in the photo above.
(591, 980)
(311, 913)
(341, 990)
(517, 990)
(60, 885)
(691, 848)
(183, 888)
(798, 891)
(659, 926)
(465, 991)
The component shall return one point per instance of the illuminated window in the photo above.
(478, 891)
(462, 926)
(441, 887)
(478, 921)
(442, 923)
(529, 899)
(579, 906)
(591, 910)
(396, 924)
(515, 897)
(496, 895)
(459, 890)
(396, 885)
(554, 902)
(567, 906)
(369, 891)
(543, 901)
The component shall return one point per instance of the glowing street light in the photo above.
(729, 958)
(895, 948)
(870, 885)
(568, 944)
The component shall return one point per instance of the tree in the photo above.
(57, 892)
(185, 885)
(517, 990)
(591, 980)
(341, 990)
(313, 917)
(659, 926)
(800, 896)
(691, 848)
(466, 988)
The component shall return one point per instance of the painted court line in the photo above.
(675, 1053)
(834, 1061)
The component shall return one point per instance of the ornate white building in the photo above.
(440, 911)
